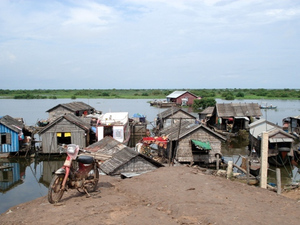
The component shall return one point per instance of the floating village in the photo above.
(125, 146)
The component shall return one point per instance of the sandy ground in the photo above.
(169, 195)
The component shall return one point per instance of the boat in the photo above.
(254, 163)
(268, 107)
(114, 124)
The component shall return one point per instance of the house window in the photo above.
(63, 138)
(5, 139)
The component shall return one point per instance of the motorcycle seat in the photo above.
(85, 159)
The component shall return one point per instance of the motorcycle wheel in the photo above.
(55, 192)
(91, 186)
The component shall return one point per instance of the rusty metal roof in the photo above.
(226, 110)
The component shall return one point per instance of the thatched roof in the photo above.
(226, 110)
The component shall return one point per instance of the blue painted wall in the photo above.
(14, 146)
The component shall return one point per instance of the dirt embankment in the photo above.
(169, 195)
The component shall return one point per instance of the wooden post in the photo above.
(278, 181)
(218, 161)
(248, 170)
(264, 160)
(229, 169)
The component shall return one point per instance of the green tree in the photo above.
(203, 103)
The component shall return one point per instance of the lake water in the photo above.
(29, 179)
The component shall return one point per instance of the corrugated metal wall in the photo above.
(14, 146)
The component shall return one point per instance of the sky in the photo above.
(149, 44)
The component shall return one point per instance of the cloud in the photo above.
(203, 41)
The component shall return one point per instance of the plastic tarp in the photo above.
(203, 145)
(137, 115)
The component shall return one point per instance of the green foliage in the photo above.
(240, 94)
(203, 103)
(73, 97)
(155, 92)
(228, 94)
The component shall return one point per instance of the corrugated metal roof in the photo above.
(11, 123)
(72, 119)
(278, 140)
(173, 110)
(73, 106)
(208, 110)
(186, 127)
(226, 110)
(274, 132)
(121, 154)
(108, 145)
(176, 94)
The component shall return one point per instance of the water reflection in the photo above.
(12, 174)
(25, 179)
(236, 147)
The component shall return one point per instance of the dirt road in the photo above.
(169, 195)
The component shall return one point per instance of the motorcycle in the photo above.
(84, 178)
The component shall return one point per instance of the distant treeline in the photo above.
(228, 94)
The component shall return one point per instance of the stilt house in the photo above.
(233, 117)
(14, 135)
(173, 115)
(76, 108)
(193, 143)
(280, 143)
(66, 129)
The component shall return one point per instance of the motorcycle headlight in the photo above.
(72, 150)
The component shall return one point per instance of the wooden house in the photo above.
(206, 114)
(280, 143)
(173, 115)
(124, 161)
(193, 143)
(76, 108)
(232, 117)
(182, 98)
(66, 129)
(14, 136)
(292, 125)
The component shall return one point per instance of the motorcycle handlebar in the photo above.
(85, 151)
